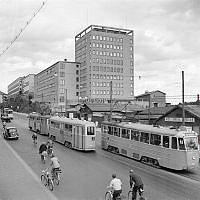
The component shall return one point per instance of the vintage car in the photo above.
(10, 133)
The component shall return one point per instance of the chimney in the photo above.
(65, 60)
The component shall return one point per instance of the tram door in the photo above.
(78, 139)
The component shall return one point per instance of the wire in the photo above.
(22, 29)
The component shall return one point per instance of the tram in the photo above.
(8, 112)
(73, 133)
(157, 146)
(39, 123)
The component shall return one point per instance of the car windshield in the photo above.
(12, 130)
(191, 143)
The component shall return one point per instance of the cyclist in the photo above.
(43, 151)
(4, 124)
(116, 185)
(55, 164)
(49, 147)
(138, 184)
(34, 137)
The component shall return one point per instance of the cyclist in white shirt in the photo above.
(116, 185)
(54, 163)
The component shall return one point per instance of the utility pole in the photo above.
(149, 107)
(111, 100)
(183, 101)
(198, 99)
(66, 102)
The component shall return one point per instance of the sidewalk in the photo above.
(17, 180)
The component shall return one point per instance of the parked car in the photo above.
(10, 133)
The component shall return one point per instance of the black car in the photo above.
(10, 133)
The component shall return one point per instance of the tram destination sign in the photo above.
(176, 119)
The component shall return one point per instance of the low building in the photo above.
(152, 99)
(174, 117)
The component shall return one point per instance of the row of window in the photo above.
(107, 92)
(107, 61)
(107, 53)
(68, 128)
(149, 138)
(107, 84)
(107, 46)
(107, 69)
(107, 38)
(108, 77)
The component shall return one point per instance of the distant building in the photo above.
(152, 99)
(15, 88)
(28, 85)
(106, 55)
(3, 97)
(58, 85)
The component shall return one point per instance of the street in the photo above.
(86, 174)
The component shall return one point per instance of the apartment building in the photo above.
(15, 87)
(28, 85)
(3, 97)
(106, 57)
(58, 85)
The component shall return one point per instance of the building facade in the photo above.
(28, 85)
(15, 88)
(58, 85)
(152, 99)
(3, 97)
(106, 57)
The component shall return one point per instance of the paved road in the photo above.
(85, 175)
(18, 181)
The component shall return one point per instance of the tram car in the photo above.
(73, 133)
(39, 123)
(157, 146)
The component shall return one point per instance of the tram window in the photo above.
(66, 127)
(144, 137)
(125, 133)
(116, 132)
(70, 128)
(135, 135)
(155, 139)
(109, 130)
(166, 141)
(105, 129)
(191, 143)
(174, 143)
(90, 130)
(181, 144)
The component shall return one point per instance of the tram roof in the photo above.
(146, 128)
(71, 120)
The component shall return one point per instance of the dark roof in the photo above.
(156, 110)
(99, 107)
(148, 93)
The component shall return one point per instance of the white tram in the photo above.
(157, 146)
(39, 123)
(73, 133)
(8, 112)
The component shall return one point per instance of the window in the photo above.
(144, 137)
(62, 82)
(77, 79)
(174, 143)
(62, 90)
(135, 135)
(126, 133)
(110, 130)
(181, 144)
(90, 130)
(166, 141)
(62, 98)
(191, 143)
(155, 139)
(116, 131)
(62, 74)
(77, 72)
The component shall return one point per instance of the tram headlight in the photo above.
(193, 157)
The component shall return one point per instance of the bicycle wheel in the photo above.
(108, 196)
(43, 180)
(130, 195)
(50, 184)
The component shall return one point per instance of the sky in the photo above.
(166, 39)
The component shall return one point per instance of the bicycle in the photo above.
(140, 191)
(109, 195)
(47, 180)
(56, 176)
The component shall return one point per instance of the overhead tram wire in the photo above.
(22, 29)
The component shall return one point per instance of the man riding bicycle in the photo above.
(4, 124)
(138, 184)
(34, 137)
(116, 185)
(43, 151)
(55, 164)
(49, 147)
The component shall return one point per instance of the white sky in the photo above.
(166, 38)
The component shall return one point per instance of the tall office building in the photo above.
(57, 85)
(15, 88)
(28, 85)
(106, 57)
